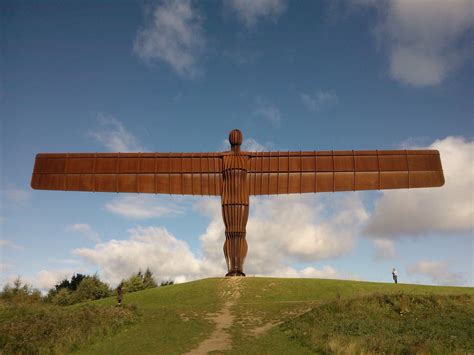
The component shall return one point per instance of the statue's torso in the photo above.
(234, 184)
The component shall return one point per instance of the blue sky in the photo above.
(178, 76)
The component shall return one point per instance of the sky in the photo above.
(177, 76)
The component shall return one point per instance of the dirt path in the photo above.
(220, 338)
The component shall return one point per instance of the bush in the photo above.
(139, 281)
(20, 292)
(81, 288)
(91, 288)
(388, 323)
(167, 283)
(58, 330)
(62, 298)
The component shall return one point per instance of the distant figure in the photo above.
(395, 275)
(119, 294)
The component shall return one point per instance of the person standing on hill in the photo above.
(119, 295)
(395, 275)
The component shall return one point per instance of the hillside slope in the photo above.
(270, 315)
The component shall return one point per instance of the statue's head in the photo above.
(235, 139)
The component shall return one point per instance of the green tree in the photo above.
(91, 288)
(148, 279)
(63, 297)
(139, 281)
(20, 292)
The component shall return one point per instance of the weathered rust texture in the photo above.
(235, 175)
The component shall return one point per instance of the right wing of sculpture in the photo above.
(323, 171)
(164, 173)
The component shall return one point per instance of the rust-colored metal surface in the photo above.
(235, 175)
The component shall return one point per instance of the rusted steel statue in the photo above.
(235, 175)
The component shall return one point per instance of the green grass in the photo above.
(275, 300)
(174, 319)
(47, 329)
(400, 323)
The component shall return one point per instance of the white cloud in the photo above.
(327, 272)
(318, 101)
(174, 36)
(424, 39)
(46, 279)
(437, 271)
(115, 137)
(251, 145)
(142, 207)
(250, 11)
(384, 249)
(153, 247)
(281, 230)
(287, 229)
(448, 209)
(268, 111)
(85, 230)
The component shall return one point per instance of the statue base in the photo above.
(234, 273)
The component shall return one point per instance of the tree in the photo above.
(139, 281)
(70, 285)
(167, 283)
(20, 292)
(148, 279)
(91, 288)
(63, 297)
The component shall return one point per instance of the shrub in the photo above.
(58, 330)
(20, 292)
(139, 281)
(91, 288)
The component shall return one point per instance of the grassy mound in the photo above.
(270, 316)
(379, 323)
(43, 329)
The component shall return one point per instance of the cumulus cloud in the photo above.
(425, 40)
(115, 137)
(142, 207)
(319, 100)
(286, 229)
(174, 35)
(448, 209)
(153, 247)
(437, 271)
(281, 230)
(250, 11)
(46, 279)
(84, 229)
(326, 272)
(268, 112)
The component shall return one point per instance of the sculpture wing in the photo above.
(164, 173)
(299, 172)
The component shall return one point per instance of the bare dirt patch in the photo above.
(220, 339)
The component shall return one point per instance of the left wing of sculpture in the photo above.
(162, 173)
(324, 171)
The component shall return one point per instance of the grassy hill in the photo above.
(271, 316)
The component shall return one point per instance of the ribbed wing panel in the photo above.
(164, 173)
(324, 171)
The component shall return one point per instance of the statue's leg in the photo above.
(235, 245)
